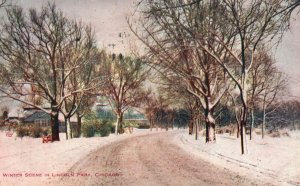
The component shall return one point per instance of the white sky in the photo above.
(288, 55)
(108, 17)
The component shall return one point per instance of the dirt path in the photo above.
(148, 160)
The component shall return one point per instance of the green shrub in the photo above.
(22, 131)
(88, 130)
(35, 131)
(144, 126)
(130, 124)
(46, 131)
(112, 128)
(31, 130)
(75, 133)
(105, 128)
(93, 127)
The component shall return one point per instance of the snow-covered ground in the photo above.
(29, 155)
(276, 160)
(273, 160)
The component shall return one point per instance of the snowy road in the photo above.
(148, 160)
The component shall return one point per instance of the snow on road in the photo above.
(275, 160)
(271, 160)
(30, 157)
(152, 160)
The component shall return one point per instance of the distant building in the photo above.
(105, 112)
(39, 118)
(43, 119)
(15, 116)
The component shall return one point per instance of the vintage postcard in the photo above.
(149, 92)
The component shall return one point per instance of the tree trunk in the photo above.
(294, 127)
(263, 123)
(119, 127)
(68, 128)
(238, 130)
(191, 126)
(199, 125)
(172, 123)
(238, 122)
(210, 127)
(242, 128)
(151, 123)
(78, 126)
(196, 129)
(252, 122)
(55, 125)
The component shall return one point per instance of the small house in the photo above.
(43, 119)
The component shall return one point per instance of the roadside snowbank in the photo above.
(276, 160)
(29, 156)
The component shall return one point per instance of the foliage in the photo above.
(90, 117)
(34, 44)
(112, 128)
(144, 126)
(31, 130)
(93, 126)
(124, 78)
(35, 131)
(106, 114)
(130, 124)
(105, 128)
(88, 130)
(22, 131)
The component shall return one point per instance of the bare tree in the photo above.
(150, 107)
(89, 74)
(175, 92)
(123, 82)
(262, 70)
(230, 34)
(79, 63)
(35, 47)
(254, 23)
(267, 83)
(275, 85)
(283, 114)
(161, 112)
(293, 5)
(2, 3)
(169, 30)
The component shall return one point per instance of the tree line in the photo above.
(210, 59)
(52, 63)
(211, 49)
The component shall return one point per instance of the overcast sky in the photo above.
(108, 17)
(288, 55)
